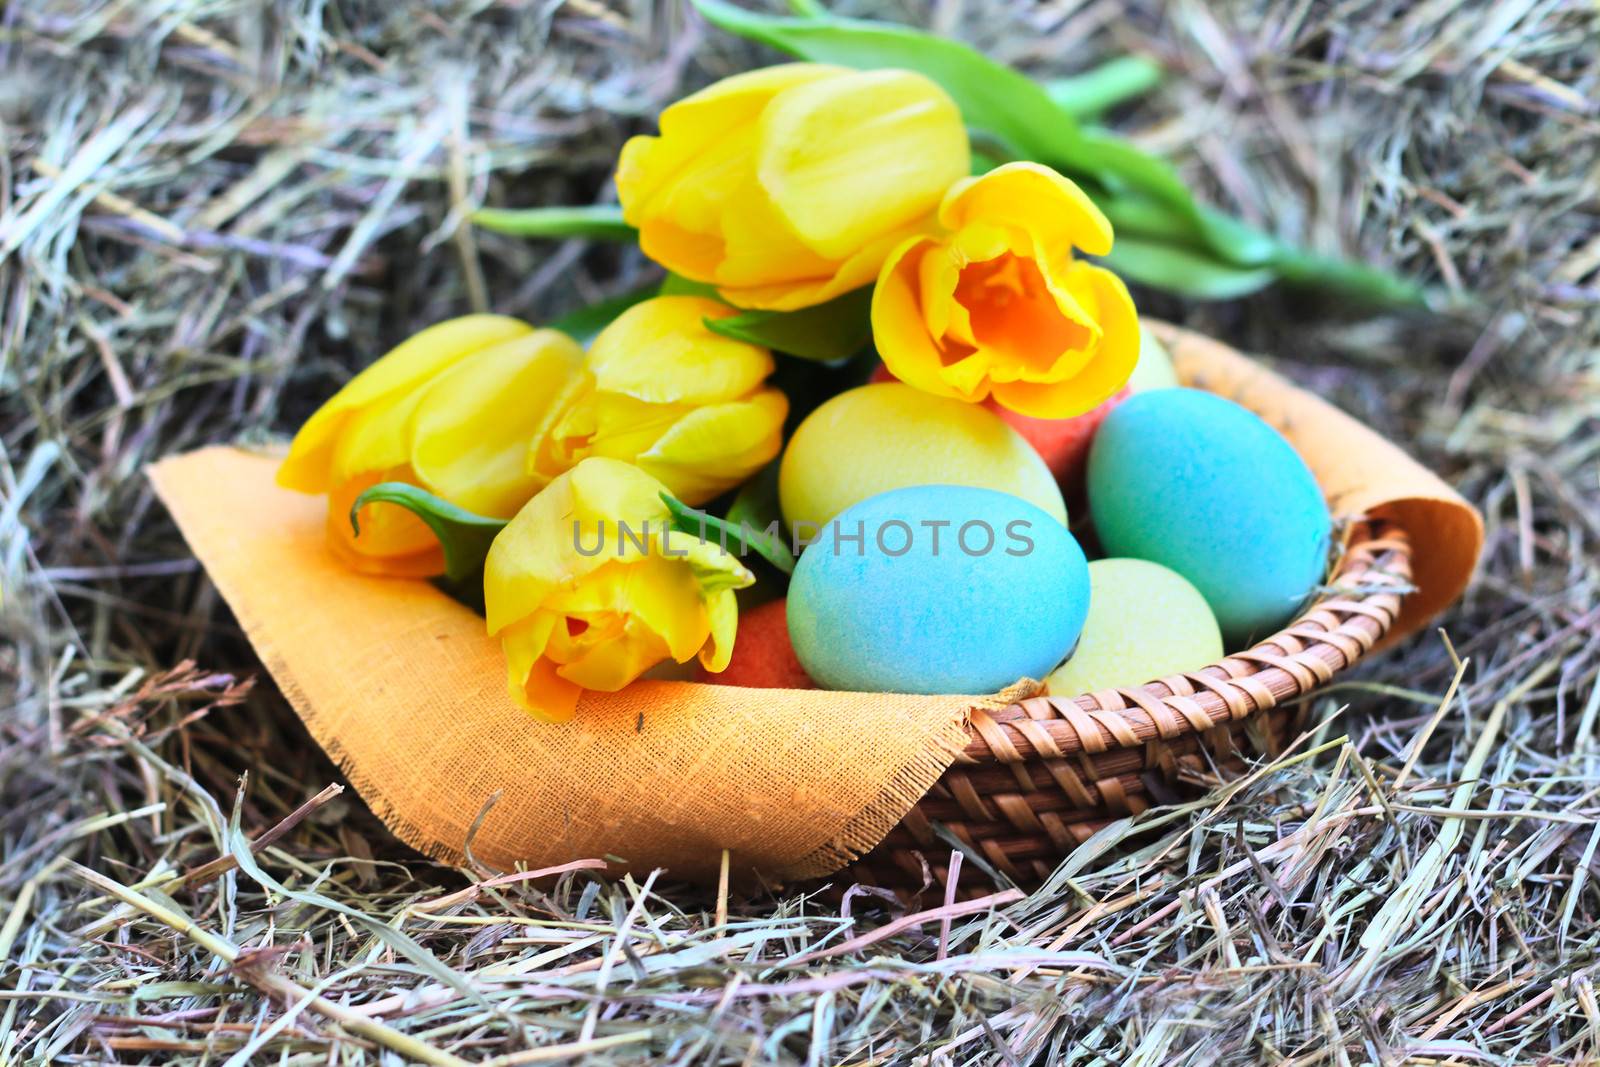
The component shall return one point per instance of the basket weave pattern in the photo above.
(1040, 776)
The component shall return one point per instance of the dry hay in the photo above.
(215, 210)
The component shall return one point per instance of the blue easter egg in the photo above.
(1202, 486)
(937, 589)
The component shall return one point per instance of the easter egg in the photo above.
(1063, 444)
(1154, 369)
(1145, 622)
(762, 657)
(937, 589)
(886, 436)
(1204, 487)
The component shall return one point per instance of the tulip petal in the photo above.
(530, 677)
(558, 443)
(791, 295)
(571, 622)
(547, 694)
(681, 250)
(1069, 330)
(846, 159)
(661, 352)
(544, 545)
(722, 610)
(309, 465)
(622, 427)
(608, 666)
(389, 545)
(711, 449)
(760, 247)
(611, 490)
(1034, 199)
(946, 319)
(375, 437)
(996, 305)
(579, 630)
(674, 187)
(969, 376)
(715, 568)
(663, 596)
(623, 619)
(1035, 331)
(1106, 372)
(470, 432)
(787, 187)
(898, 328)
(525, 642)
(697, 125)
(393, 542)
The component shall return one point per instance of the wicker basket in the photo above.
(1038, 777)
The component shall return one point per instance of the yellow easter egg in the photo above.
(1145, 622)
(1154, 369)
(887, 436)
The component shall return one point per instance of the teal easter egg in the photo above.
(937, 589)
(1198, 484)
(1145, 622)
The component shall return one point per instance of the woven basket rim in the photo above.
(1040, 776)
(1358, 607)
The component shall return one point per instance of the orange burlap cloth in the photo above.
(401, 686)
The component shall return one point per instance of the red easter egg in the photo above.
(1063, 443)
(762, 655)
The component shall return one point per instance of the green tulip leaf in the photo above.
(1135, 215)
(603, 221)
(1369, 285)
(756, 507)
(464, 536)
(1148, 250)
(757, 501)
(825, 333)
(737, 536)
(1184, 271)
(1116, 81)
(678, 285)
(1124, 167)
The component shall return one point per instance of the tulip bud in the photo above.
(589, 586)
(687, 406)
(451, 410)
(787, 186)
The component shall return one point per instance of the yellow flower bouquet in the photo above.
(866, 521)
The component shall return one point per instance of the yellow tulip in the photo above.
(587, 589)
(684, 404)
(452, 410)
(996, 304)
(788, 186)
